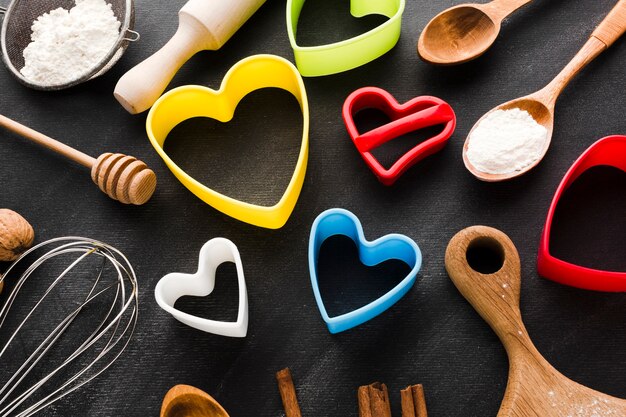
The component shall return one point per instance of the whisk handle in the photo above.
(47, 142)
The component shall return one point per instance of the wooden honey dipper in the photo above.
(121, 177)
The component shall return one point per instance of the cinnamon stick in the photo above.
(288, 393)
(374, 400)
(413, 401)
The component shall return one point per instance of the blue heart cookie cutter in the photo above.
(338, 221)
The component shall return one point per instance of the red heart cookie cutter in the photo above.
(608, 151)
(418, 113)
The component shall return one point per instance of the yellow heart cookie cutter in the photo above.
(182, 103)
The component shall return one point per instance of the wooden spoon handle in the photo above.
(613, 26)
(499, 9)
(606, 33)
(495, 296)
(47, 142)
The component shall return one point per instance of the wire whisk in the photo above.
(85, 292)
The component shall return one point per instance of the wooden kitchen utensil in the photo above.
(123, 178)
(464, 32)
(540, 105)
(188, 401)
(202, 25)
(534, 388)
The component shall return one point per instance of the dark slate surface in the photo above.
(432, 336)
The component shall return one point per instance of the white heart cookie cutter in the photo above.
(175, 285)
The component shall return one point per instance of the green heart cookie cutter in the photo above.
(313, 61)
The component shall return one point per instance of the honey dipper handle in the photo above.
(613, 26)
(495, 296)
(47, 142)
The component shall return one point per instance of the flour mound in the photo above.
(68, 44)
(506, 141)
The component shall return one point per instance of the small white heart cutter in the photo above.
(175, 285)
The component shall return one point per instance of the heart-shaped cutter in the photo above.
(415, 114)
(609, 151)
(313, 61)
(338, 221)
(182, 103)
(175, 285)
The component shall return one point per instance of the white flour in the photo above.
(506, 141)
(67, 44)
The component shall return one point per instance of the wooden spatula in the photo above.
(534, 388)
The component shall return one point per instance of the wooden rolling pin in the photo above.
(202, 25)
(123, 178)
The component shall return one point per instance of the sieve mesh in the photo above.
(16, 31)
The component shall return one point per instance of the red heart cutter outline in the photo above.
(415, 114)
(610, 151)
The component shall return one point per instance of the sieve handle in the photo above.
(201, 26)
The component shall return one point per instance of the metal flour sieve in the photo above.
(16, 32)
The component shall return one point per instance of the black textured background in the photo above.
(432, 336)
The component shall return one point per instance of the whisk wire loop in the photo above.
(47, 344)
(95, 353)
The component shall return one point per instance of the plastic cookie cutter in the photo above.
(393, 246)
(610, 151)
(182, 103)
(418, 113)
(175, 285)
(341, 56)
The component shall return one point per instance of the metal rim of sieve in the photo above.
(116, 52)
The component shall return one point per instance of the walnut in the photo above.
(16, 235)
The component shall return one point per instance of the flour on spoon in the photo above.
(506, 141)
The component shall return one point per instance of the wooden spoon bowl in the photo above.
(462, 33)
(188, 401)
(542, 113)
(457, 35)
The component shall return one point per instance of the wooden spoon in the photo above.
(534, 388)
(462, 33)
(188, 401)
(540, 104)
